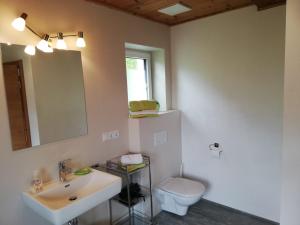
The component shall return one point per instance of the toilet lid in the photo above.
(183, 187)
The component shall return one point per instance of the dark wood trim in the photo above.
(212, 14)
(268, 4)
(19, 64)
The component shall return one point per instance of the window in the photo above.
(138, 72)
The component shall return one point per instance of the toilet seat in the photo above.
(183, 187)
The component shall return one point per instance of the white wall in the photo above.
(159, 78)
(165, 158)
(106, 31)
(290, 198)
(228, 83)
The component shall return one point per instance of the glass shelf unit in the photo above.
(134, 216)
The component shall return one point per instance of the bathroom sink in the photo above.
(62, 202)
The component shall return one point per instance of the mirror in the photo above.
(45, 96)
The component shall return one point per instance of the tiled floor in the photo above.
(208, 213)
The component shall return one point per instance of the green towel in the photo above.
(136, 106)
(83, 171)
(133, 167)
(143, 116)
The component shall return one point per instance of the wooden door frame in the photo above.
(19, 64)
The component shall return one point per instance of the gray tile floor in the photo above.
(208, 213)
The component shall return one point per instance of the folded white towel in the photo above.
(131, 159)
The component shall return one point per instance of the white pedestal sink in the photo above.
(62, 202)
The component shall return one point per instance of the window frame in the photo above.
(138, 54)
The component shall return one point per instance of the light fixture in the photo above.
(49, 48)
(50, 43)
(30, 50)
(61, 44)
(80, 42)
(43, 44)
(176, 9)
(20, 23)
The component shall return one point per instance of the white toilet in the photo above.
(177, 194)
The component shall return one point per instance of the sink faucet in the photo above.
(64, 170)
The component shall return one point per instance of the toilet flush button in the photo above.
(160, 138)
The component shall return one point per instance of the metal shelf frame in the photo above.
(113, 166)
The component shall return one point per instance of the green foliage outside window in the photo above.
(131, 63)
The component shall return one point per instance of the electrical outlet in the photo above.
(111, 135)
(105, 136)
(115, 134)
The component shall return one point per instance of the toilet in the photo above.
(177, 194)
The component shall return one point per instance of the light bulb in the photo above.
(48, 49)
(43, 44)
(80, 42)
(50, 43)
(60, 44)
(20, 23)
(30, 50)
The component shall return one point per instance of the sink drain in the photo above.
(72, 198)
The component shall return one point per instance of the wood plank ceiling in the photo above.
(200, 8)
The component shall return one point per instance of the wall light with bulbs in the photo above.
(45, 44)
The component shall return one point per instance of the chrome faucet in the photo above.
(64, 170)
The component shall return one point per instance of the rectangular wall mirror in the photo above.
(44, 94)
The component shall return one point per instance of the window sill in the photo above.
(161, 113)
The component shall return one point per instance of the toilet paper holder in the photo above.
(213, 146)
(215, 149)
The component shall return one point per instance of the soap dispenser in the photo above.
(37, 182)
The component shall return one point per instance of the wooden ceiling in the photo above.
(200, 8)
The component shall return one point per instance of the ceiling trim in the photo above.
(212, 14)
(267, 4)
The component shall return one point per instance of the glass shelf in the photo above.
(115, 167)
